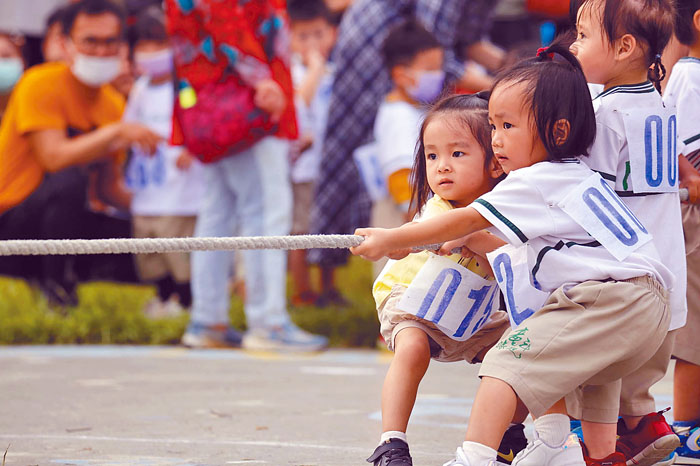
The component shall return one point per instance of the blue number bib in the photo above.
(456, 300)
(598, 210)
(510, 266)
(652, 149)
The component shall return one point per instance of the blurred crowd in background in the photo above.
(151, 118)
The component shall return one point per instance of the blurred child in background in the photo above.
(313, 36)
(168, 185)
(414, 58)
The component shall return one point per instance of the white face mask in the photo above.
(95, 71)
(10, 71)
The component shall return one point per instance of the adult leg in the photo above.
(211, 269)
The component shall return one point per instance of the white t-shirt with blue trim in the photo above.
(524, 208)
(637, 111)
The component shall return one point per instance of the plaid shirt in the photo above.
(362, 81)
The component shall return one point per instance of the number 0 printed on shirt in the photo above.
(456, 300)
(652, 150)
(599, 211)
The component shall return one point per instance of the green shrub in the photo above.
(111, 313)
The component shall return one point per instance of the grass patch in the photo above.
(110, 313)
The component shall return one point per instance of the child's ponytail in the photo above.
(657, 72)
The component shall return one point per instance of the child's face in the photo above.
(514, 137)
(153, 58)
(591, 47)
(454, 162)
(423, 79)
(314, 36)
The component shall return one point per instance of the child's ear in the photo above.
(561, 131)
(625, 47)
(696, 21)
(401, 77)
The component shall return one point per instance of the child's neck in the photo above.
(156, 81)
(694, 50)
(632, 75)
(399, 95)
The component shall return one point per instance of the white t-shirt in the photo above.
(159, 187)
(683, 92)
(312, 120)
(524, 209)
(396, 130)
(610, 156)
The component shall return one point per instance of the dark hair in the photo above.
(648, 21)
(92, 7)
(470, 111)
(405, 41)
(683, 24)
(308, 10)
(149, 26)
(56, 16)
(556, 90)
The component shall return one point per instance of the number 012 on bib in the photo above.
(456, 300)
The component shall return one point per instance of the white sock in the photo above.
(390, 434)
(477, 453)
(553, 429)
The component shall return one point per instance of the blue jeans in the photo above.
(248, 194)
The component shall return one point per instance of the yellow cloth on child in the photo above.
(402, 272)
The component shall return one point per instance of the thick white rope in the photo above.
(160, 245)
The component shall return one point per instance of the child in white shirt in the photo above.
(167, 186)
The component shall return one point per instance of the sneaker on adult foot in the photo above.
(650, 442)
(211, 336)
(538, 453)
(514, 441)
(287, 337)
(689, 451)
(392, 453)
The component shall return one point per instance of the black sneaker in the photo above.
(513, 442)
(391, 453)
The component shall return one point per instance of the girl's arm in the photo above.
(445, 227)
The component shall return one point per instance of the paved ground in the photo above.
(67, 405)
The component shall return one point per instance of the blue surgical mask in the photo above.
(10, 71)
(428, 86)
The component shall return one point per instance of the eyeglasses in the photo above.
(91, 44)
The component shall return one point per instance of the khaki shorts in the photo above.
(442, 347)
(303, 196)
(155, 266)
(595, 333)
(687, 345)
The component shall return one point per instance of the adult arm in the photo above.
(55, 151)
(689, 177)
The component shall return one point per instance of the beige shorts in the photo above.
(442, 347)
(155, 266)
(687, 345)
(595, 333)
(303, 196)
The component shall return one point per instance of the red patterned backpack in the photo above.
(222, 48)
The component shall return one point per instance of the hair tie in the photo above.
(542, 53)
(657, 57)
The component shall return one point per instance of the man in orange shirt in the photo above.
(61, 126)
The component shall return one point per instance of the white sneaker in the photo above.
(538, 453)
(461, 460)
(288, 337)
